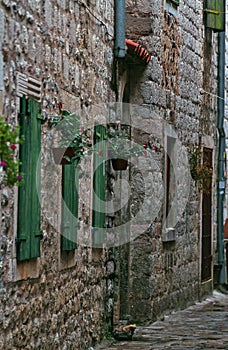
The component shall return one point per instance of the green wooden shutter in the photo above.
(23, 237)
(99, 185)
(215, 14)
(69, 207)
(35, 148)
(29, 233)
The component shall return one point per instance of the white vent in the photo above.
(28, 86)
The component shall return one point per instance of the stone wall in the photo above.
(62, 300)
(226, 118)
(55, 301)
(57, 310)
(164, 274)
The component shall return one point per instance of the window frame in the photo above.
(171, 6)
(99, 187)
(170, 186)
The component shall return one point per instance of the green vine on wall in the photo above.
(9, 164)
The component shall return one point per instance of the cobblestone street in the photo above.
(201, 326)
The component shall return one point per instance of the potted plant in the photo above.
(121, 147)
(9, 164)
(200, 172)
(75, 140)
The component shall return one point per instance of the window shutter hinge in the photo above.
(39, 234)
(20, 239)
(214, 12)
(40, 117)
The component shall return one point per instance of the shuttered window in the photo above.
(215, 14)
(29, 234)
(99, 185)
(69, 207)
(171, 7)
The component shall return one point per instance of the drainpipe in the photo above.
(221, 157)
(120, 28)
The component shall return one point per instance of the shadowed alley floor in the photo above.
(201, 326)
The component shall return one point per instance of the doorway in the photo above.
(206, 250)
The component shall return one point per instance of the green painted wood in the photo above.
(99, 185)
(69, 207)
(23, 238)
(35, 148)
(215, 14)
(29, 235)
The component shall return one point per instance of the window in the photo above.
(99, 186)
(69, 207)
(29, 234)
(170, 207)
(170, 179)
(215, 14)
(171, 6)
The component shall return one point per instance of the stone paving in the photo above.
(201, 326)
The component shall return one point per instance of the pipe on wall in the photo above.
(221, 157)
(120, 29)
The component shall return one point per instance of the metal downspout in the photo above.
(120, 28)
(221, 158)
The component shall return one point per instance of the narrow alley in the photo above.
(113, 174)
(201, 326)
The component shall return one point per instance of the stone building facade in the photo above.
(58, 54)
(171, 263)
(157, 254)
(226, 136)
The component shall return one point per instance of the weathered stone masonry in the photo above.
(60, 300)
(56, 301)
(157, 276)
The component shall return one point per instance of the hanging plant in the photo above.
(121, 143)
(9, 164)
(75, 140)
(201, 172)
(121, 146)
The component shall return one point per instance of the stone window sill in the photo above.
(169, 235)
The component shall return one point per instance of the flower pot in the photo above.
(60, 153)
(119, 164)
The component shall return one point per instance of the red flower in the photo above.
(3, 163)
(13, 147)
(145, 152)
(145, 145)
(19, 177)
(100, 153)
(154, 148)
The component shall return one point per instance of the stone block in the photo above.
(137, 25)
